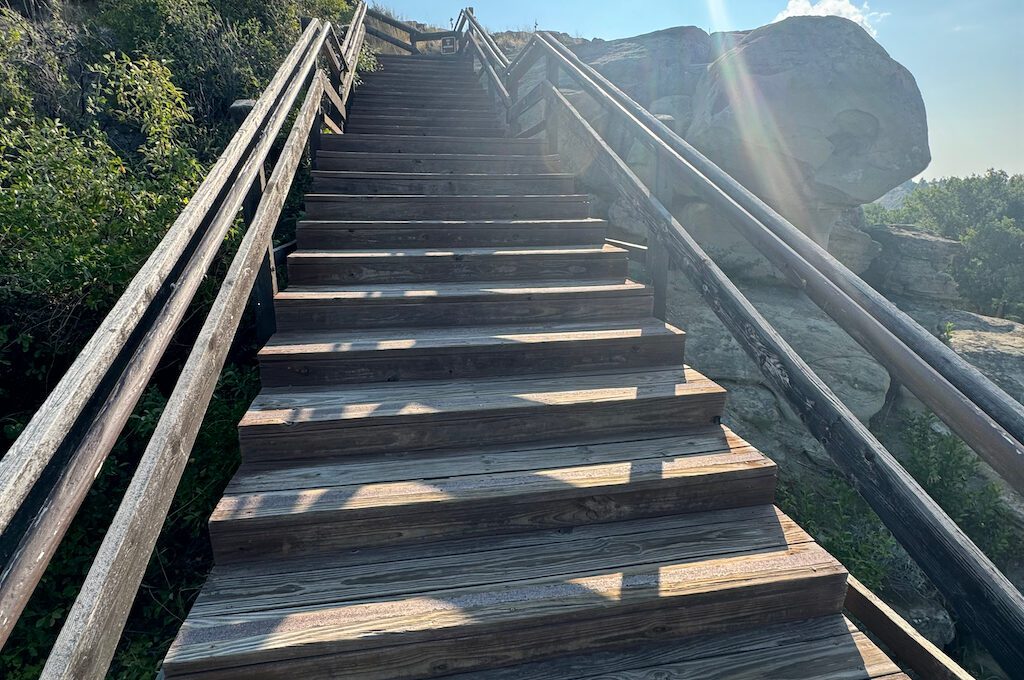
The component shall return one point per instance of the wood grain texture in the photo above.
(736, 584)
(454, 265)
(420, 206)
(395, 305)
(429, 415)
(442, 183)
(435, 354)
(412, 144)
(906, 644)
(339, 234)
(374, 161)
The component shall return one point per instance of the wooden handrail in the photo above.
(49, 469)
(66, 442)
(982, 596)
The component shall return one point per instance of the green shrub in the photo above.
(986, 213)
(949, 472)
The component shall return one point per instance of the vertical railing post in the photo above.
(551, 129)
(658, 258)
(513, 96)
(262, 297)
(265, 287)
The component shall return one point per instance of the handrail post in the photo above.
(511, 126)
(262, 298)
(551, 73)
(265, 287)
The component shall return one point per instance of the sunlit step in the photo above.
(360, 502)
(422, 612)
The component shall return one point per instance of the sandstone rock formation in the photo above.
(812, 115)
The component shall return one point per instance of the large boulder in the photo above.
(814, 116)
(654, 65)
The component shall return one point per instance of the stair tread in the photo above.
(376, 573)
(482, 223)
(405, 466)
(346, 174)
(425, 292)
(456, 339)
(442, 138)
(448, 199)
(432, 481)
(512, 251)
(825, 648)
(583, 584)
(330, 153)
(412, 400)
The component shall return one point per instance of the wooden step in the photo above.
(369, 161)
(440, 116)
(461, 207)
(493, 131)
(401, 80)
(422, 86)
(435, 183)
(826, 648)
(410, 305)
(418, 118)
(369, 502)
(318, 235)
(306, 423)
(361, 267)
(438, 101)
(393, 355)
(496, 603)
(439, 144)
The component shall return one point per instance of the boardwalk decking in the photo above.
(478, 455)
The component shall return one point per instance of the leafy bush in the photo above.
(949, 471)
(109, 112)
(986, 213)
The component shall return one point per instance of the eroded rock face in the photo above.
(914, 263)
(653, 65)
(813, 115)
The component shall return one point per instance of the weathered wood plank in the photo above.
(326, 425)
(371, 161)
(353, 182)
(448, 233)
(461, 264)
(593, 548)
(320, 359)
(906, 644)
(459, 207)
(732, 591)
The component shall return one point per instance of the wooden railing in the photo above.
(48, 471)
(983, 415)
(415, 35)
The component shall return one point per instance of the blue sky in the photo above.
(967, 55)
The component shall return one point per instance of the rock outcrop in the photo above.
(814, 116)
(810, 113)
(914, 263)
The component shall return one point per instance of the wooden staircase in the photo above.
(478, 455)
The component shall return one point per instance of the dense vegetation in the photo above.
(111, 111)
(984, 212)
